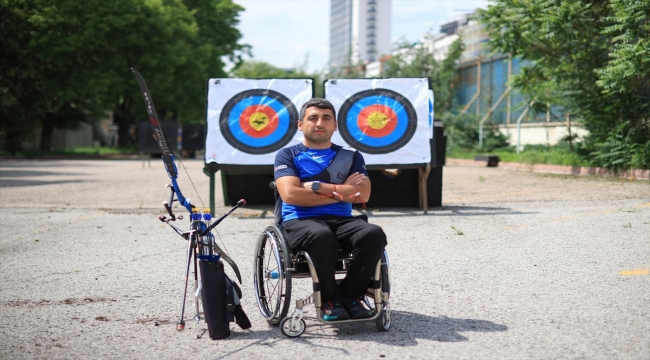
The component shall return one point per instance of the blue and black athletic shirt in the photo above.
(303, 162)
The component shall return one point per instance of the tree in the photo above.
(590, 56)
(177, 75)
(20, 86)
(418, 60)
(255, 69)
(83, 51)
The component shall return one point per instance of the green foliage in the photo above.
(20, 90)
(80, 54)
(559, 154)
(418, 60)
(621, 150)
(593, 57)
(628, 69)
(462, 133)
(254, 69)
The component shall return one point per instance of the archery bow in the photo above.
(172, 171)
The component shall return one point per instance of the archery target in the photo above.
(249, 120)
(259, 121)
(387, 120)
(377, 121)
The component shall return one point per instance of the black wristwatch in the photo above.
(315, 186)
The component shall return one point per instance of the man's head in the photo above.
(319, 103)
(317, 123)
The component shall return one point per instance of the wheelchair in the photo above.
(276, 265)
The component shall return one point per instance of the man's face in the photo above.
(318, 124)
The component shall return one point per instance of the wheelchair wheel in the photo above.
(385, 281)
(383, 321)
(299, 329)
(271, 280)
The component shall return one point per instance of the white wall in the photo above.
(539, 134)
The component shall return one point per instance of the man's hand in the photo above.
(355, 179)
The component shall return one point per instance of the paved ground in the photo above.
(546, 267)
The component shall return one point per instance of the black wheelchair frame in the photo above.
(276, 265)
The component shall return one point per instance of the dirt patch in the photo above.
(83, 301)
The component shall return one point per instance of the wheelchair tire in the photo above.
(272, 282)
(383, 321)
(285, 327)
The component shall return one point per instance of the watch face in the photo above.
(315, 186)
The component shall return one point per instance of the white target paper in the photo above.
(387, 120)
(249, 120)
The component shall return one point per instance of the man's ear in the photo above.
(300, 125)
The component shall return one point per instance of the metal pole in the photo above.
(212, 192)
(519, 125)
(478, 86)
(509, 97)
(480, 125)
(478, 89)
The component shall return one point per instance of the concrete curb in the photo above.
(634, 174)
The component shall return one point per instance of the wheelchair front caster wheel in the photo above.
(295, 331)
(383, 320)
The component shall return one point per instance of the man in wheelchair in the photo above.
(318, 181)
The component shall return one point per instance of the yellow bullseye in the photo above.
(377, 120)
(258, 121)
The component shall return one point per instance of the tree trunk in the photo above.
(47, 131)
(122, 119)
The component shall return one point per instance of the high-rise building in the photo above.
(359, 31)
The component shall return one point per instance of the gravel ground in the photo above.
(535, 267)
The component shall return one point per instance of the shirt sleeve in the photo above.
(358, 164)
(284, 165)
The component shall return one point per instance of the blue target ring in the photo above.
(275, 106)
(399, 135)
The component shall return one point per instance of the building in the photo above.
(483, 89)
(359, 31)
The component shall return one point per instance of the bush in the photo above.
(462, 133)
(622, 150)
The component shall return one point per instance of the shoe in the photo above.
(334, 310)
(355, 309)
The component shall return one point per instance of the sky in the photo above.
(285, 33)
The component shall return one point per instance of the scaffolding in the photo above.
(483, 80)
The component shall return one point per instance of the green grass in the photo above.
(539, 154)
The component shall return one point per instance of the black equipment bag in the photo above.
(220, 297)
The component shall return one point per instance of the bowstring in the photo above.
(180, 158)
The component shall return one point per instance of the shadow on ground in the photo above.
(407, 329)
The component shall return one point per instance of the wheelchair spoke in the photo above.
(272, 284)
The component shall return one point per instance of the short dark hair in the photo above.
(319, 103)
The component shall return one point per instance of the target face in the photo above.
(258, 121)
(377, 121)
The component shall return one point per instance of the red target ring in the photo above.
(377, 120)
(259, 121)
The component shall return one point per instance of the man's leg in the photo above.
(368, 242)
(316, 238)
